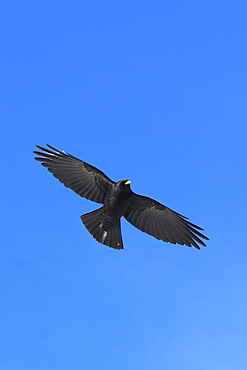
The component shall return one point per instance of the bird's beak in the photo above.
(127, 182)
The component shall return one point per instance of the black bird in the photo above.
(118, 200)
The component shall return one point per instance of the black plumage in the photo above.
(118, 200)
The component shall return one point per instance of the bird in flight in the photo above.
(118, 200)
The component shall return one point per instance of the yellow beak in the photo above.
(127, 182)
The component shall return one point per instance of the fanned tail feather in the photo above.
(105, 234)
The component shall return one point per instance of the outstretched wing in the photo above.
(161, 222)
(84, 179)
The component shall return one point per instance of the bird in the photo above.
(118, 201)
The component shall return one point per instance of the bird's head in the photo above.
(125, 182)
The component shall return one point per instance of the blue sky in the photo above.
(151, 91)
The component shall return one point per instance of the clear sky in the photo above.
(151, 91)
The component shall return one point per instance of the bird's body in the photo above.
(108, 217)
(118, 200)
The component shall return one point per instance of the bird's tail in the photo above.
(109, 235)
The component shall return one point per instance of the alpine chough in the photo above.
(118, 200)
